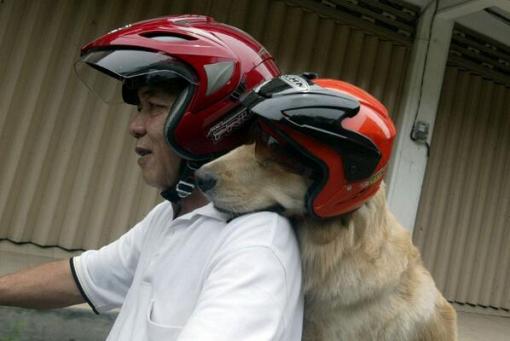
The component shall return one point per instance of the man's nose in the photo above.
(137, 126)
(205, 180)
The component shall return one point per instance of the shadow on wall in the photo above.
(71, 324)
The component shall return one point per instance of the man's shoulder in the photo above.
(263, 220)
(157, 218)
(266, 229)
(161, 210)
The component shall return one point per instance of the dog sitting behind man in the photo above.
(319, 160)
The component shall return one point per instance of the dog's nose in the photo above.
(205, 180)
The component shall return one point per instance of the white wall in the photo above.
(423, 89)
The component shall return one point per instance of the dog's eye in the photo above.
(290, 161)
(270, 150)
(273, 152)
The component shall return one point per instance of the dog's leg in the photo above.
(441, 326)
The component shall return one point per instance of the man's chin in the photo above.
(155, 181)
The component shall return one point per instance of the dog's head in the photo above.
(255, 178)
(322, 149)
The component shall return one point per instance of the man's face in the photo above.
(159, 163)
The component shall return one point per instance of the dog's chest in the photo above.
(344, 298)
(330, 269)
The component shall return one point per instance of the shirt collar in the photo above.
(206, 211)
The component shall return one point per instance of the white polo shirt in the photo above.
(198, 278)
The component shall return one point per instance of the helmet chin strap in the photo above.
(185, 184)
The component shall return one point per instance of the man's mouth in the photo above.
(142, 151)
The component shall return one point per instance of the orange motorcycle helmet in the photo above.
(337, 130)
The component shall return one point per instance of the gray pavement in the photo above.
(80, 324)
(474, 326)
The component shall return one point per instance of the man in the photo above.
(183, 272)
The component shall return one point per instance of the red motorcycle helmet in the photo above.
(214, 63)
(340, 132)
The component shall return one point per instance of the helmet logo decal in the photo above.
(374, 178)
(228, 125)
(298, 83)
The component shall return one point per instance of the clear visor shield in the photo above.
(128, 68)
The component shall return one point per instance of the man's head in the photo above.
(158, 162)
(217, 64)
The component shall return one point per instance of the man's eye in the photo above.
(158, 106)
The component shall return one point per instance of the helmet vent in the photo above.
(218, 75)
(167, 37)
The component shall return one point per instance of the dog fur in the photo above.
(363, 277)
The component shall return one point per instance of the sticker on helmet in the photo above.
(374, 178)
(296, 82)
(228, 125)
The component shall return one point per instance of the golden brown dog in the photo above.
(363, 277)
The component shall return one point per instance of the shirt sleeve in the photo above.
(105, 275)
(247, 294)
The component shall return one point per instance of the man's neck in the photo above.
(188, 204)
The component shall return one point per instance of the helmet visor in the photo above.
(127, 68)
